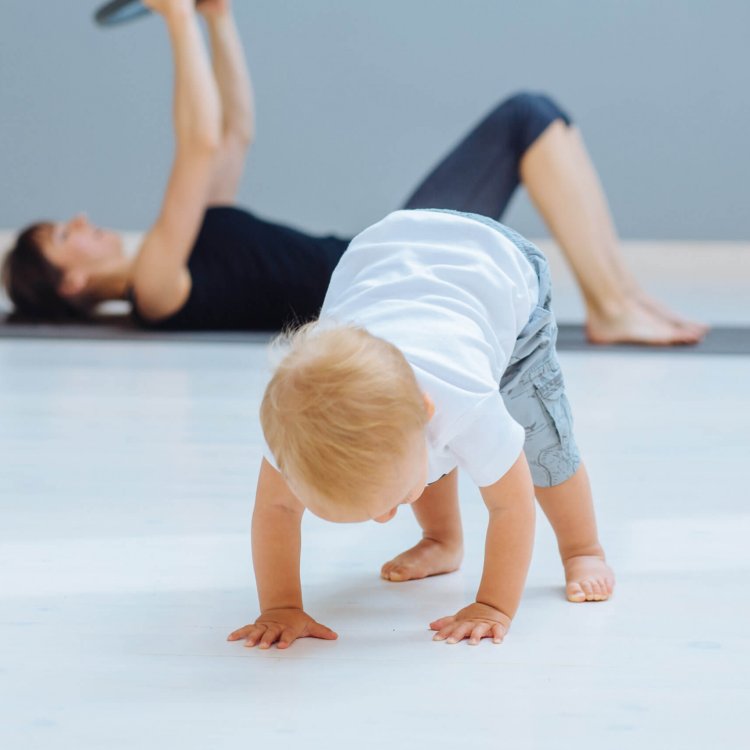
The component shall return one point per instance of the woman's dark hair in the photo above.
(32, 282)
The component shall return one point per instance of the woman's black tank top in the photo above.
(252, 274)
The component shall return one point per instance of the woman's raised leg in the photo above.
(529, 139)
(563, 185)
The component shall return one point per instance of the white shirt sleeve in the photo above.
(488, 442)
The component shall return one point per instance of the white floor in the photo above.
(126, 484)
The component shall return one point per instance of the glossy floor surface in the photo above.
(126, 486)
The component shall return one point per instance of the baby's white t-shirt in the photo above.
(452, 293)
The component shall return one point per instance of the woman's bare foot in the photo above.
(652, 305)
(428, 557)
(637, 325)
(588, 578)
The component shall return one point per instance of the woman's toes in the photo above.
(687, 336)
(693, 329)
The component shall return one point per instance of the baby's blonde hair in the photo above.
(340, 409)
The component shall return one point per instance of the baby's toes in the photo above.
(605, 589)
(398, 573)
(574, 592)
(598, 590)
(589, 579)
(587, 590)
(393, 572)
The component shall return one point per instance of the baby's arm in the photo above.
(276, 557)
(510, 538)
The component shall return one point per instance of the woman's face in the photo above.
(77, 243)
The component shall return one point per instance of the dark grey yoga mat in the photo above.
(119, 328)
(720, 340)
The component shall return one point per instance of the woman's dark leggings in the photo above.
(481, 174)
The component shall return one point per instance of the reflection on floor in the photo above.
(125, 495)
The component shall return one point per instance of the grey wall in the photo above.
(356, 99)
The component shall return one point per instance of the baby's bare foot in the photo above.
(588, 579)
(427, 558)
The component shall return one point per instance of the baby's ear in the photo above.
(73, 283)
(429, 406)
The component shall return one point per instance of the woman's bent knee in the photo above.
(527, 114)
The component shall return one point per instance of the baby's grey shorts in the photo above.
(532, 385)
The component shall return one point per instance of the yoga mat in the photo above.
(720, 340)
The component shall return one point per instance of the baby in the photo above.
(434, 351)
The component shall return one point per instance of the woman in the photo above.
(208, 265)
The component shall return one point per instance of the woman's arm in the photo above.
(161, 281)
(237, 101)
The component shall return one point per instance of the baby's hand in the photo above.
(283, 627)
(474, 622)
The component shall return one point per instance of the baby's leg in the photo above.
(441, 547)
(570, 509)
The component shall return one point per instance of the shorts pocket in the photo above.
(560, 458)
(548, 382)
(550, 391)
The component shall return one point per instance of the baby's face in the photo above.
(403, 483)
(407, 486)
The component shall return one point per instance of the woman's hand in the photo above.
(282, 627)
(474, 622)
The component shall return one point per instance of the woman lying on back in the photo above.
(207, 264)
